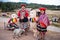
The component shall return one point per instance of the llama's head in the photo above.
(32, 14)
(13, 16)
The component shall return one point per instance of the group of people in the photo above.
(42, 21)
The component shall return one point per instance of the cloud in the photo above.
(48, 2)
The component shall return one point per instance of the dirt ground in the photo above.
(8, 35)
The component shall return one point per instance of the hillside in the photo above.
(10, 6)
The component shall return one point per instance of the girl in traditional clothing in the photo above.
(43, 23)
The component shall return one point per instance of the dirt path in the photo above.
(8, 35)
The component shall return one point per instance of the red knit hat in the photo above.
(42, 9)
(23, 5)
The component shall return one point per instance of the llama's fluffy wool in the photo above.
(33, 24)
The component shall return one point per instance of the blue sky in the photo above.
(14, 0)
(48, 2)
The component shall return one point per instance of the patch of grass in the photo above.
(56, 24)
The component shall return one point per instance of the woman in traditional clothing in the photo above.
(23, 17)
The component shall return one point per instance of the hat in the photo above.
(23, 5)
(42, 9)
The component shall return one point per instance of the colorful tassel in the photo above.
(14, 20)
(32, 19)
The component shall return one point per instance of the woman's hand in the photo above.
(22, 17)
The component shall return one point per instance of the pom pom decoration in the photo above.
(32, 19)
(14, 20)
